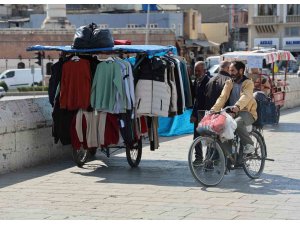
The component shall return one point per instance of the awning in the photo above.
(204, 43)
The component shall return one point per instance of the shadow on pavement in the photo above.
(34, 172)
(268, 184)
(152, 172)
(177, 173)
(289, 111)
(284, 127)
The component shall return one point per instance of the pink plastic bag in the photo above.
(212, 122)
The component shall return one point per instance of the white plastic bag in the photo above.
(230, 127)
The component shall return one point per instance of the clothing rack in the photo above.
(133, 153)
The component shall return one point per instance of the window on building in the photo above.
(21, 65)
(48, 68)
(103, 26)
(292, 31)
(153, 25)
(194, 21)
(236, 19)
(293, 9)
(245, 18)
(267, 10)
(132, 25)
(179, 29)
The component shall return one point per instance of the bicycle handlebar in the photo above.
(222, 110)
(227, 107)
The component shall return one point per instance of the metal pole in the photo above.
(230, 24)
(42, 70)
(147, 25)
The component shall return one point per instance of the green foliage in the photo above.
(38, 88)
(4, 85)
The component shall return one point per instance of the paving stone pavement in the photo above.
(162, 187)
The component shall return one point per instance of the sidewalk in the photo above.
(161, 188)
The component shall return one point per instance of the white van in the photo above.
(21, 77)
(211, 61)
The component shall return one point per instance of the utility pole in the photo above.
(147, 25)
(236, 30)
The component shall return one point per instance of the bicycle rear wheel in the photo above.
(254, 163)
(80, 156)
(134, 154)
(211, 171)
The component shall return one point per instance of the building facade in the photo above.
(275, 25)
(163, 29)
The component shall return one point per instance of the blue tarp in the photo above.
(177, 125)
(148, 49)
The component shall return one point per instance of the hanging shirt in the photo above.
(75, 87)
(107, 88)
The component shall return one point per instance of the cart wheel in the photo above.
(277, 113)
(134, 154)
(93, 151)
(80, 156)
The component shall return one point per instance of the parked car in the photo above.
(2, 92)
(21, 77)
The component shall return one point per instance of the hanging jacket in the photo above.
(152, 91)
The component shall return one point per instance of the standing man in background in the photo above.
(198, 89)
(215, 85)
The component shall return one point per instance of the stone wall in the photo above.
(292, 93)
(25, 134)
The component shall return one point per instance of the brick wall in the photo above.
(14, 42)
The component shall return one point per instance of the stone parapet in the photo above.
(26, 134)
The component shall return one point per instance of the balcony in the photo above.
(293, 19)
(265, 19)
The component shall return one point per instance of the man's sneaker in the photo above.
(248, 149)
(197, 162)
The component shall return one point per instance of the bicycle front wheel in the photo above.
(254, 163)
(211, 170)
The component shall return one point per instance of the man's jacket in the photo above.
(200, 98)
(246, 101)
(214, 88)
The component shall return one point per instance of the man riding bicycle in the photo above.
(239, 92)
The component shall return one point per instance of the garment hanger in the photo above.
(110, 58)
(75, 58)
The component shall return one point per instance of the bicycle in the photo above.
(217, 161)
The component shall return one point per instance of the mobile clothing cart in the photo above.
(259, 61)
(78, 110)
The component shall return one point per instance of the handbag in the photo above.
(212, 122)
(90, 36)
